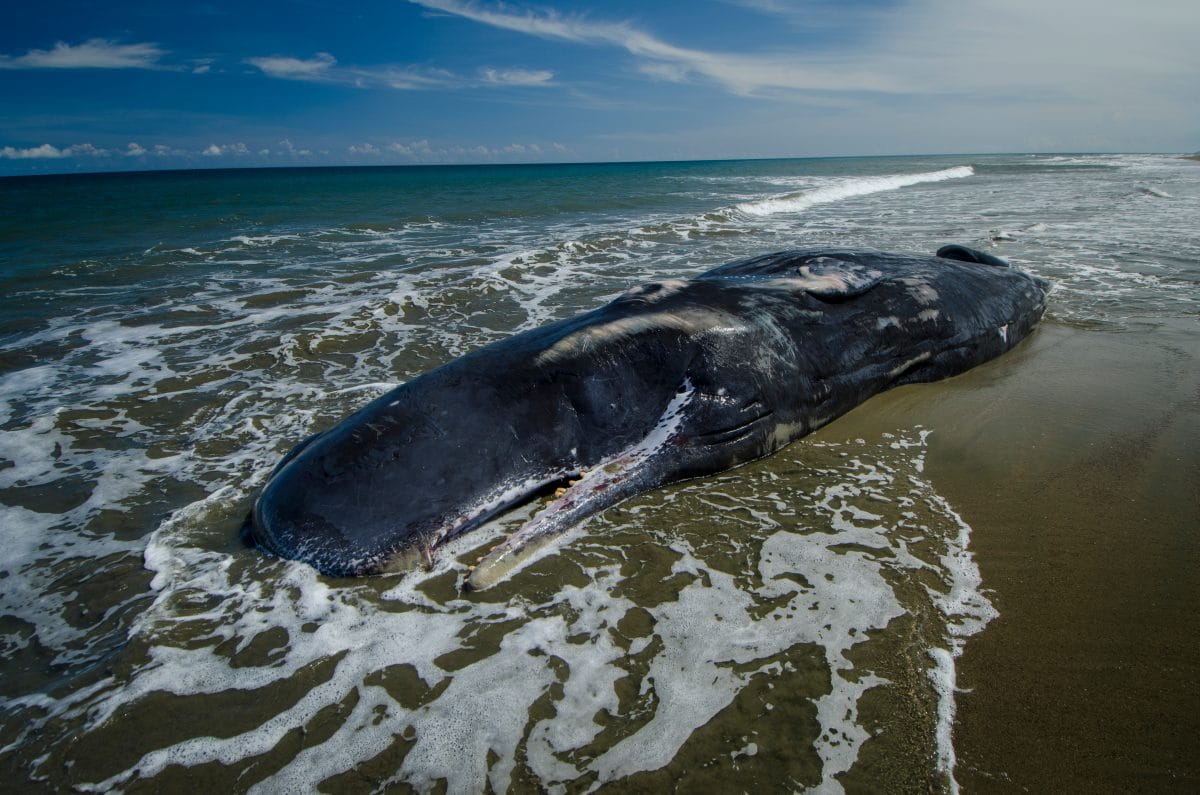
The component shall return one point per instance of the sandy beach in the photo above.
(1075, 461)
(1079, 473)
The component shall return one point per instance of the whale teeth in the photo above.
(559, 491)
(472, 567)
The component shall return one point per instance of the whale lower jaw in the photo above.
(637, 468)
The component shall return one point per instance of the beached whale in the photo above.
(671, 380)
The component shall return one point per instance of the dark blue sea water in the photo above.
(165, 337)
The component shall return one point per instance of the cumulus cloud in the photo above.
(316, 68)
(421, 151)
(415, 149)
(32, 153)
(220, 150)
(91, 54)
(49, 152)
(290, 148)
(134, 149)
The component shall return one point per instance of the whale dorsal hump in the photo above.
(825, 274)
(964, 254)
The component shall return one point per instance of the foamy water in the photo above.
(777, 624)
(814, 547)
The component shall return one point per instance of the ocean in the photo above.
(958, 584)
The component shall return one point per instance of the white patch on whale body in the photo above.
(691, 321)
(920, 290)
(928, 314)
(829, 277)
(884, 322)
(654, 292)
(904, 367)
(787, 432)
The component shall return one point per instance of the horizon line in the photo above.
(551, 163)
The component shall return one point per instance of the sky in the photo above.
(128, 85)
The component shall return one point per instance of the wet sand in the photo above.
(1076, 461)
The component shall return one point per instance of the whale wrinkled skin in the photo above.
(671, 380)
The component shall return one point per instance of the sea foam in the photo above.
(555, 685)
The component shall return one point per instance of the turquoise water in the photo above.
(165, 337)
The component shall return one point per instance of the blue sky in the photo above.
(137, 85)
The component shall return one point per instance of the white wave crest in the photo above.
(847, 189)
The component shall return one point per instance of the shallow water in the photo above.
(796, 623)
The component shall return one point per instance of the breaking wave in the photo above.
(846, 189)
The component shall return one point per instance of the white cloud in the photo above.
(741, 74)
(416, 149)
(1012, 48)
(32, 153)
(421, 151)
(49, 152)
(290, 148)
(517, 77)
(317, 68)
(324, 68)
(403, 78)
(91, 54)
(135, 149)
(215, 150)
(86, 149)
